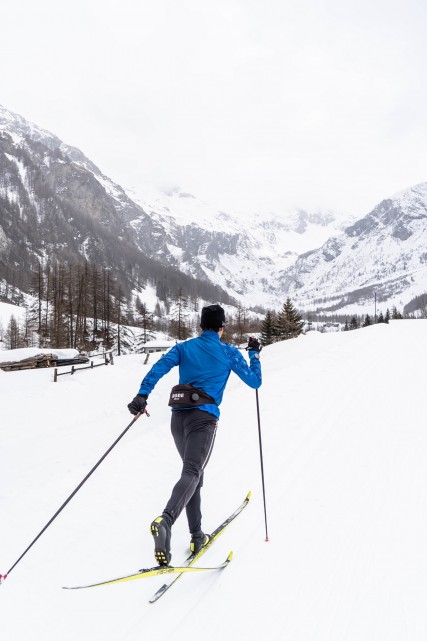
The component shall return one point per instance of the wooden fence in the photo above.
(108, 360)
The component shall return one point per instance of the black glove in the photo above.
(253, 345)
(138, 404)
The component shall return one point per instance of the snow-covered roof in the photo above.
(17, 355)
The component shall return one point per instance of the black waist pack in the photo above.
(185, 396)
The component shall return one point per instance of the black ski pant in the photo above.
(194, 435)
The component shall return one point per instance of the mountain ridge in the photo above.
(318, 258)
(56, 207)
(383, 255)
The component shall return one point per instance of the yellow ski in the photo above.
(190, 560)
(159, 570)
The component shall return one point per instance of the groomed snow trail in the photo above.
(345, 445)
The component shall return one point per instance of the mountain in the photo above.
(56, 204)
(242, 254)
(382, 254)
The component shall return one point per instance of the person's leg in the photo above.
(194, 435)
(161, 526)
(193, 509)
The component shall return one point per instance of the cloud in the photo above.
(251, 104)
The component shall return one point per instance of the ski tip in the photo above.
(230, 556)
(248, 495)
(75, 587)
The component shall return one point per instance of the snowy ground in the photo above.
(345, 448)
(7, 311)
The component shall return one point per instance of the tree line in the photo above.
(83, 306)
(73, 306)
(355, 322)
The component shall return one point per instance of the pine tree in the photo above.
(38, 290)
(241, 325)
(289, 322)
(346, 327)
(120, 304)
(268, 330)
(387, 316)
(13, 338)
(354, 323)
(381, 318)
(145, 321)
(367, 321)
(179, 323)
(395, 314)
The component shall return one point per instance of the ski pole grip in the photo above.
(3, 578)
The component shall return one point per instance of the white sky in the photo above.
(249, 104)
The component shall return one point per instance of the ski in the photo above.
(156, 571)
(192, 558)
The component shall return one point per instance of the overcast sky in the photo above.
(249, 104)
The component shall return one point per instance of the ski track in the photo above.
(344, 440)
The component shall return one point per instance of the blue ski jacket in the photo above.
(205, 362)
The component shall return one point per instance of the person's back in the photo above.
(206, 362)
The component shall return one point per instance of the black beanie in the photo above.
(213, 317)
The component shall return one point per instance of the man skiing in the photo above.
(204, 364)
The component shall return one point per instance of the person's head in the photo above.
(213, 317)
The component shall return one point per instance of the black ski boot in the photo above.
(198, 541)
(161, 532)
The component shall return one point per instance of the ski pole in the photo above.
(3, 577)
(262, 466)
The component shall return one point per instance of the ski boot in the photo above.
(161, 531)
(198, 541)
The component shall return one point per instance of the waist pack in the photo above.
(185, 396)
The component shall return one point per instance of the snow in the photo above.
(176, 252)
(159, 344)
(409, 198)
(182, 208)
(344, 439)
(7, 311)
(147, 295)
(31, 352)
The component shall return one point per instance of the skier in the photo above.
(204, 364)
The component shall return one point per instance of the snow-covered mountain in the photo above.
(243, 254)
(52, 196)
(55, 204)
(53, 184)
(384, 253)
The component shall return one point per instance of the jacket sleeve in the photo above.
(249, 374)
(159, 369)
